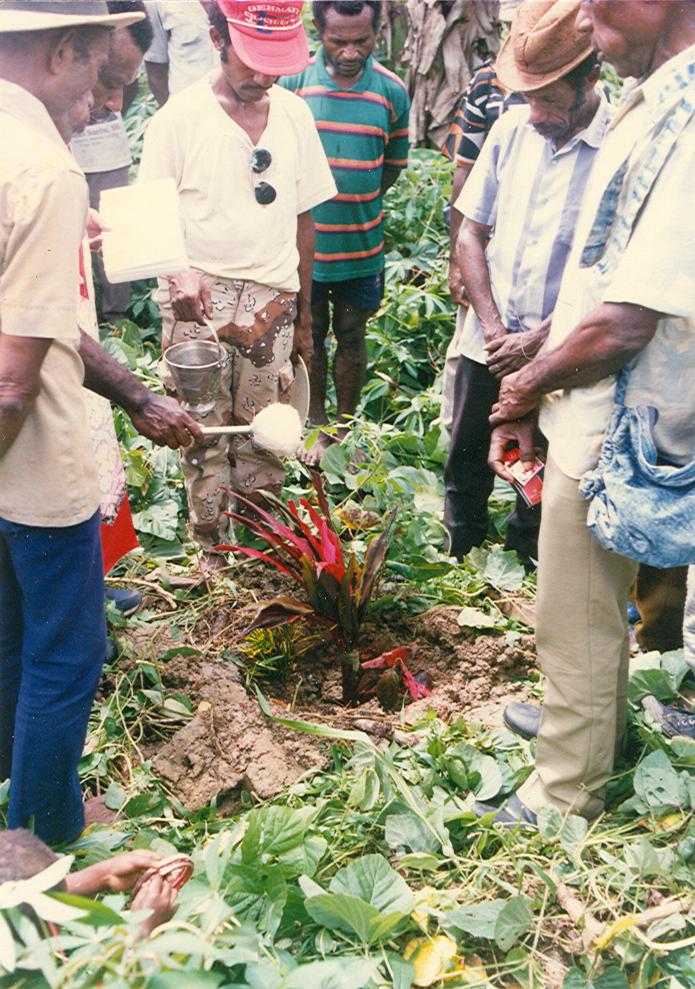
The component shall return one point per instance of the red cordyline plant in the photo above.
(337, 586)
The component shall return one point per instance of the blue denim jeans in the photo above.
(52, 648)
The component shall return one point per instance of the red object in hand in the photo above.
(527, 483)
(177, 870)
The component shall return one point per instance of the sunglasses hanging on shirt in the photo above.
(261, 160)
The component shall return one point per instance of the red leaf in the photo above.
(416, 689)
(256, 554)
(387, 659)
(278, 611)
(277, 527)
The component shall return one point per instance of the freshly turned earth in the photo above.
(229, 746)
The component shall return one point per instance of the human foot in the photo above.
(311, 455)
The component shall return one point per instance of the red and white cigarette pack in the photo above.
(527, 483)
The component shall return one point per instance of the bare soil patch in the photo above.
(229, 746)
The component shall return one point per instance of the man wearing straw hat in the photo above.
(52, 629)
(249, 166)
(519, 208)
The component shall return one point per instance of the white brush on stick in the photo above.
(277, 428)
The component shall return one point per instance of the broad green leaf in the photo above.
(475, 618)
(408, 831)
(513, 920)
(190, 979)
(8, 953)
(339, 911)
(498, 567)
(402, 972)
(650, 682)
(575, 979)
(372, 879)
(611, 978)
(303, 859)
(658, 784)
(642, 858)
(478, 920)
(96, 914)
(336, 973)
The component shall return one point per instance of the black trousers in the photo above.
(468, 479)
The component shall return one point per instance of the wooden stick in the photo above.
(225, 430)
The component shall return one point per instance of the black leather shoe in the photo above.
(512, 814)
(522, 719)
(671, 720)
(126, 599)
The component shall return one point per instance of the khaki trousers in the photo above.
(255, 324)
(582, 641)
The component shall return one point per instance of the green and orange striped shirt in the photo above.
(362, 129)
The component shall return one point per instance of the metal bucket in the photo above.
(196, 366)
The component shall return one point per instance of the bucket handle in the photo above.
(223, 359)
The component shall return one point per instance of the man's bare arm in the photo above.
(602, 343)
(159, 418)
(20, 368)
(456, 283)
(470, 256)
(388, 177)
(306, 243)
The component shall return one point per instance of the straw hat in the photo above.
(542, 46)
(43, 15)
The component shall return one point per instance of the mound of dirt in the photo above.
(230, 746)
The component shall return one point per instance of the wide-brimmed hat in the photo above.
(43, 15)
(543, 45)
(268, 35)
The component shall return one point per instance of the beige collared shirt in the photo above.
(47, 478)
(657, 271)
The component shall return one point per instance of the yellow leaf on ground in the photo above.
(431, 958)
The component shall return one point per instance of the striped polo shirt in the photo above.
(483, 102)
(529, 193)
(362, 129)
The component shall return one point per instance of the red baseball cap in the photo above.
(268, 36)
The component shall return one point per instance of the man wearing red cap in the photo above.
(249, 165)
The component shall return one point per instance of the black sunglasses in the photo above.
(261, 159)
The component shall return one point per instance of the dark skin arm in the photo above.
(470, 257)
(602, 343)
(20, 367)
(456, 285)
(388, 177)
(306, 242)
(508, 354)
(158, 78)
(159, 418)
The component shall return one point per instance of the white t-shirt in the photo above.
(103, 146)
(227, 233)
(657, 271)
(181, 38)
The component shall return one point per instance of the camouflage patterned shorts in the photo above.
(255, 324)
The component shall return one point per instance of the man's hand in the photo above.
(163, 421)
(456, 286)
(303, 345)
(515, 400)
(115, 874)
(506, 437)
(511, 352)
(124, 870)
(159, 896)
(95, 231)
(190, 297)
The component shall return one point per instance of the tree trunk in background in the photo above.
(442, 42)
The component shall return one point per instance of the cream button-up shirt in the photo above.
(47, 478)
(657, 271)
